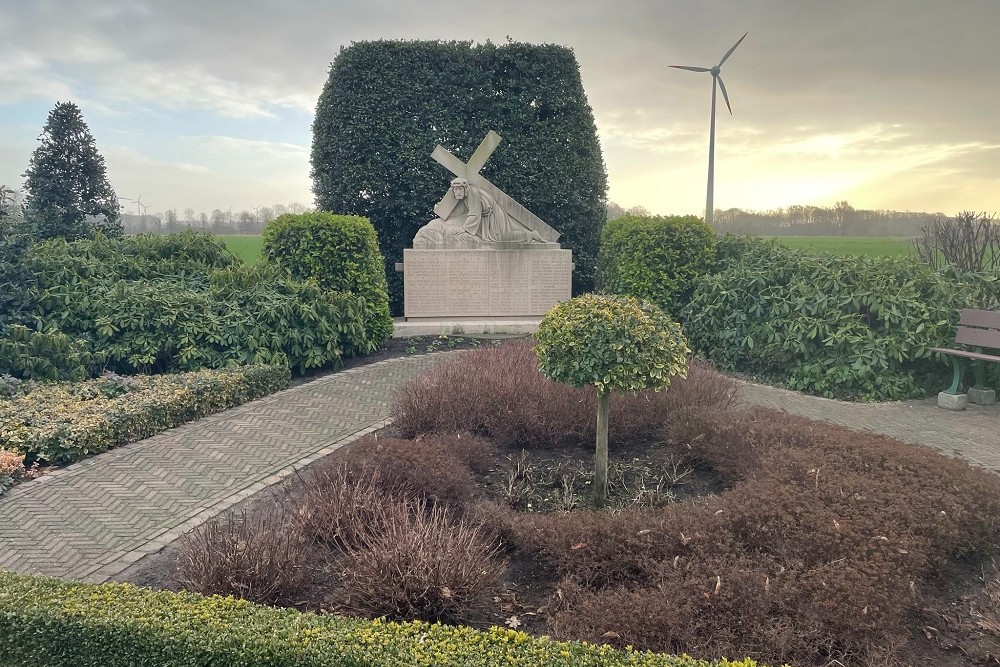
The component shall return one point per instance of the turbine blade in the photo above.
(730, 51)
(691, 69)
(725, 96)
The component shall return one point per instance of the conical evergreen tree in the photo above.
(69, 194)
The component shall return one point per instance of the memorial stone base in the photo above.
(491, 288)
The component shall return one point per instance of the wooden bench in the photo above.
(978, 329)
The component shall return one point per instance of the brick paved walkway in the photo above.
(94, 519)
(91, 520)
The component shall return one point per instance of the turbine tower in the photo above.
(716, 79)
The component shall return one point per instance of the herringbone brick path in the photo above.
(93, 519)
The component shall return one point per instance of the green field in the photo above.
(872, 246)
(245, 246)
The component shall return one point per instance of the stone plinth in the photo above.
(521, 282)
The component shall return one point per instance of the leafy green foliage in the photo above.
(144, 256)
(15, 279)
(69, 194)
(339, 252)
(46, 621)
(66, 421)
(655, 258)
(47, 355)
(829, 325)
(614, 343)
(386, 105)
(153, 304)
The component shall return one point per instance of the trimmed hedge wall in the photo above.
(64, 422)
(341, 253)
(386, 104)
(837, 326)
(655, 258)
(45, 621)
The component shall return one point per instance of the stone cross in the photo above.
(470, 172)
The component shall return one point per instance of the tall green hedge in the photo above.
(386, 104)
(53, 623)
(339, 252)
(656, 258)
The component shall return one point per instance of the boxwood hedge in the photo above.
(45, 621)
(62, 422)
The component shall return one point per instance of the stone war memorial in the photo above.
(485, 264)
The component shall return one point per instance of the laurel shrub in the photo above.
(153, 304)
(836, 326)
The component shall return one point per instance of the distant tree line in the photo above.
(841, 219)
(217, 222)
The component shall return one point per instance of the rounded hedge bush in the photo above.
(656, 258)
(341, 253)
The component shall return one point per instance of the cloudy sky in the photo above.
(208, 104)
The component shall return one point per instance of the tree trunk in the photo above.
(601, 455)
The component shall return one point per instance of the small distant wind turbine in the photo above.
(716, 78)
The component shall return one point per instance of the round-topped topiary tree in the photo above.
(613, 343)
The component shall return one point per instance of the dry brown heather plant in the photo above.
(818, 553)
(498, 392)
(987, 615)
(435, 467)
(259, 556)
(342, 501)
(422, 564)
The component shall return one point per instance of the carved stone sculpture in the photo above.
(474, 213)
(475, 221)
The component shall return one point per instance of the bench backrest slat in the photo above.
(987, 319)
(980, 337)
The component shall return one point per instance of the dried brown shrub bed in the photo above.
(731, 532)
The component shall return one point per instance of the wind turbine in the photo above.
(716, 79)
